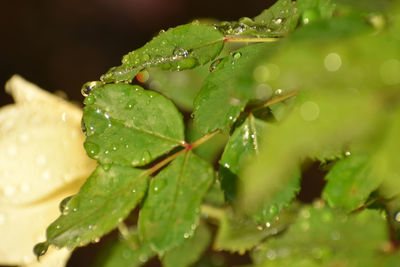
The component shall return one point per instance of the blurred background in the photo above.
(59, 45)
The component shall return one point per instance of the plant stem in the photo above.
(280, 98)
(164, 162)
(240, 39)
(213, 212)
(201, 140)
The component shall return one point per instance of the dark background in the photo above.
(59, 45)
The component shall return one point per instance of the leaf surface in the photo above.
(170, 213)
(325, 237)
(350, 182)
(128, 125)
(106, 198)
(190, 250)
(183, 47)
(221, 98)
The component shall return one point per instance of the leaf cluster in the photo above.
(232, 115)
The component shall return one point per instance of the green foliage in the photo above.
(312, 81)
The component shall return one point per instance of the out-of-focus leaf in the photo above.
(238, 234)
(124, 252)
(350, 182)
(221, 98)
(128, 125)
(105, 199)
(181, 86)
(170, 213)
(315, 128)
(183, 47)
(312, 10)
(243, 143)
(209, 151)
(190, 250)
(215, 195)
(325, 237)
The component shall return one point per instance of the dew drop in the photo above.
(397, 217)
(92, 149)
(75, 209)
(226, 165)
(40, 249)
(273, 210)
(278, 21)
(89, 100)
(77, 239)
(96, 240)
(89, 87)
(58, 226)
(143, 76)
(106, 167)
(237, 55)
(186, 235)
(159, 185)
(347, 153)
(63, 203)
(146, 157)
(215, 64)
(278, 92)
(180, 52)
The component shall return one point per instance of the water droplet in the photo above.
(309, 111)
(397, 217)
(347, 153)
(268, 224)
(237, 55)
(226, 165)
(278, 92)
(146, 157)
(58, 226)
(159, 185)
(40, 249)
(332, 62)
(215, 64)
(180, 52)
(96, 240)
(75, 209)
(63, 203)
(77, 239)
(106, 167)
(92, 149)
(143, 76)
(271, 254)
(273, 210)
(115, 147)
(89, 86)
(89, 100)
(278, 21)
(186, 235)
(133, 190)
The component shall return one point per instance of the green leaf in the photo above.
(181, 87)
(128, 125)
(170, 213)
(312, 10)
(106, 198)
(238, 234)
(183, 47)
(315, 128)
(243, 143)
(350, 182)
(124, 252)
(281, 17)
(190, 250)
(279, 201)
(385, 163)
(221, 98)
(325, 237)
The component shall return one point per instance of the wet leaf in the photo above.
(350, 182)
(243, 143)
(183, 47)
(325, 237)
(190, 250)
(124, 252)
(170, 213)
(105, 199)
(128, 125)
(221, 98)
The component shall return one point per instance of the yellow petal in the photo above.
(41, 145)
(22, 227)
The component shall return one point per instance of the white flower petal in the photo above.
(41, 145)
(22, 227)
